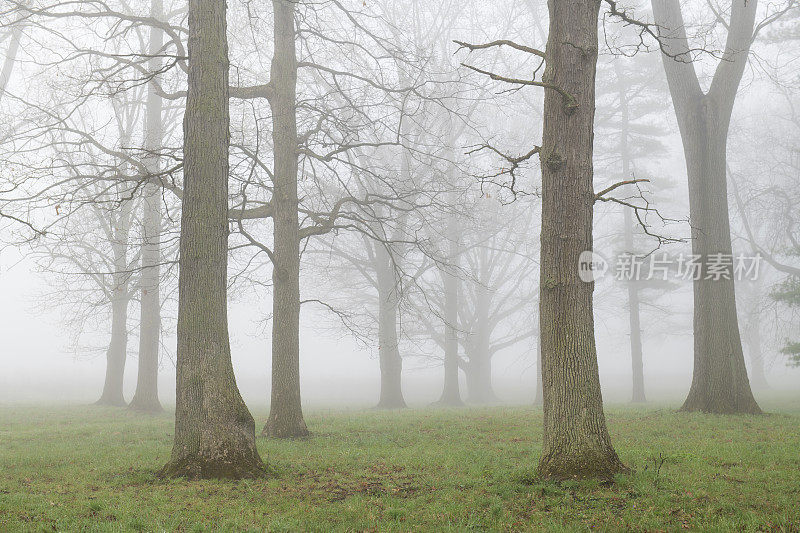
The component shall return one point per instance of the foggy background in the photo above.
(38, 362)
(39, 367)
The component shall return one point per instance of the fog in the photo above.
(223, 210)
(40, 367)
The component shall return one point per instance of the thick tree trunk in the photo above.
(146, 397)
(214, 431)
(719, 384)
(576, 441)
(286, 412)
(451, 394)
(391, 363)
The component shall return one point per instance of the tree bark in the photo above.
(286, 412)
(391, 363)
(719, 384)
(146, 396)
(214, 431)
(576, 440)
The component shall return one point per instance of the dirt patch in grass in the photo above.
(331, 484)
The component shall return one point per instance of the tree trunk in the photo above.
(286, 411)
(391, 363)
(451, 395)
(719, 383)
(214, 431)
(117, 352)
(479, 380)
(576, 441)
(146, 397)
(10, 59)
(479, 369)
(637, 364)
(634, 313)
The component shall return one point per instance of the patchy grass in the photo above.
(89, 468)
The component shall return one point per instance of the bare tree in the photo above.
(631, 96)
(720, 383)
(117, 229)
(763, 177)
(495, 294)
(450, 272)
(214, 431)
(576, 440)
(285, 416)
(13, 36)
(146, 396)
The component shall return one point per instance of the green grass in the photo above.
(88, 468)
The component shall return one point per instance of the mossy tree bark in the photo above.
(286, 412)
(576, 440)
(719, 384)
(145, 398)
(214, 431)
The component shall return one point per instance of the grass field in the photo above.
(88, 468)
